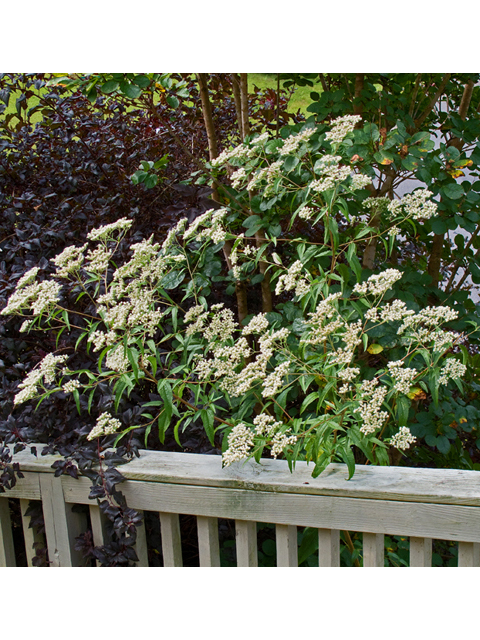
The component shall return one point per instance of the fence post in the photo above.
(7, 552)
(62, 524)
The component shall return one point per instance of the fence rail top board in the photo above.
(422, 504)
(406, 484)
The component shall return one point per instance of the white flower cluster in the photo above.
(332, 173)
(70, 386)
(98, 260)
(341, 127)
(371, 400)
(269, 174)
(378, 284)
(274, 381)
(226, 359)
(240, 442)
(238, 177)
(292, 280)
(403, 439)
(349, 373)
(402, 376)
(376, 205)
(70, 260)
(424, 325)
(415, 205)
(241, 152)
(393, 231)
(452, 370)
(220, 327)
(106, 232)
(359, 181)
(324, 311)
(178, 228)
(27, 278)
(266, 425)
(106, 425)
(280, 441)
(215, 231)
(292, 143)
(39, 297)
(394, 311)
(305, 212)
(258, 324)
(44, 373)
(116, 360)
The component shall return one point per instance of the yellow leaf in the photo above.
(386, 161)
(456, 174)
(416, 393)
(463, 420)
(375, 348)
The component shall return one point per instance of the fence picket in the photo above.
(141, 546)
(31, 537)
(7, 551)
(62, 524)
(208, 544)
(420, 552)
(328, 548)
(171, 541)
(287, 548)
(468, 554)
(373, 549)
(246, 543)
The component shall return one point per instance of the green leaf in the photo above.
(172, 280)
(347, 456)
(403, 408)
(309, 544)
(110, 86)
(130, 90)
(173, 101)
(453, 191)
(151, 181)
(208, 418)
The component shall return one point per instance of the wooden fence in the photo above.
(423, 504)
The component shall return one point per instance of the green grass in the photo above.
(300, 98)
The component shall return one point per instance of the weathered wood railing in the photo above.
(423, 504)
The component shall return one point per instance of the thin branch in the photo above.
(433, 101)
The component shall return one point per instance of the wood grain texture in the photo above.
(287, 546)
(208, 543)
(171, 540)
(328, 548)
(246, 543)
(98, 521)
(27, 488)
(373, 549)
(420, 552)
(468, 554)
(30, 536)
(444, 522)
(62, 524)
(141, 546)
(7, 551)
(437, 486)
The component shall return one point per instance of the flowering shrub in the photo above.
(305, 380)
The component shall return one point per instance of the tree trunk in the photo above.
(244, 103)
(207, 115)
(240, 290)
(238, 103)
(357, 104)
(266, 285)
